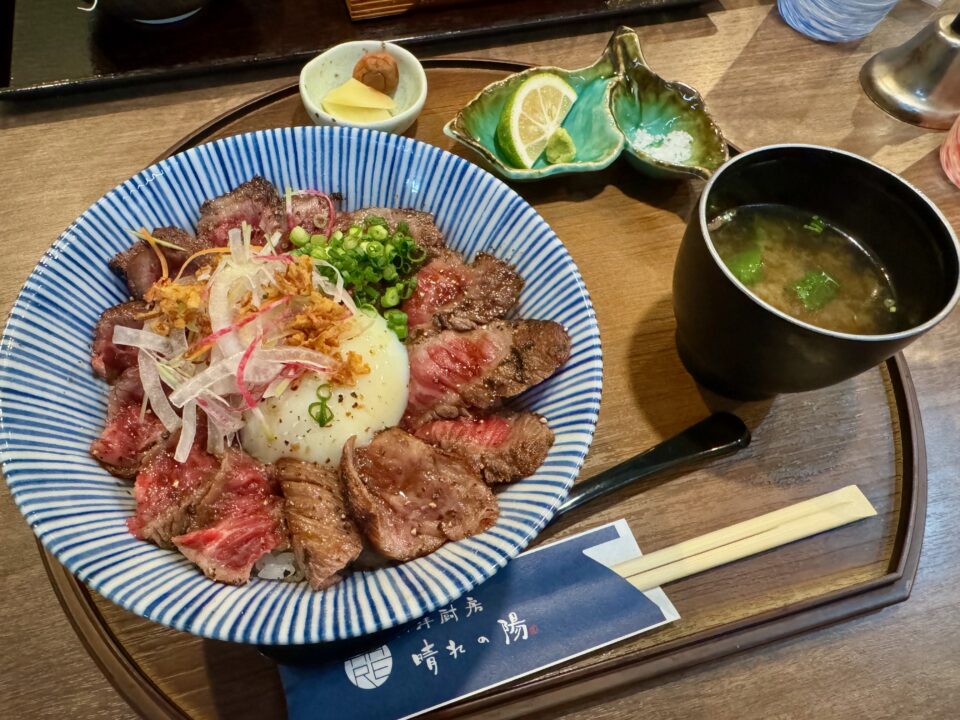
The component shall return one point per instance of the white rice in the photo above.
(278, 565)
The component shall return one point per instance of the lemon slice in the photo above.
(532, 114)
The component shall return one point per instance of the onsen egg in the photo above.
(375, 402)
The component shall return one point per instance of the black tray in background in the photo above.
(51, 46)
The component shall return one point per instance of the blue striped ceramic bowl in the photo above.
(52, 407)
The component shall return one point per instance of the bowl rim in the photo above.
(249, 631)
(391, 123)
(888, 337)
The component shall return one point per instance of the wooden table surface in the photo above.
(764, 84)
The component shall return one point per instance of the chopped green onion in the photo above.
(377, 265)
(299, 237)
(321, 414)
(390, 297)
(320, 411)
(408, 287)
(816, 225)
(397, 321)
(378, 232)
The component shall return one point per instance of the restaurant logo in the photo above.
(370, 670)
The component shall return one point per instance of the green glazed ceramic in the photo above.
(667, 129)
(589, 122)
(618, 97)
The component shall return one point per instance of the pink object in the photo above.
(950, 154)
(244, 390)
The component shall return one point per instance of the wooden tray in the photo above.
(623, 231)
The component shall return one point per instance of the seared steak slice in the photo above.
(502, 448)
(127, 437)
(255, 202)
(422, 227)
(324, 537)
(109, 360)
(310, 211)
(139, 264)
(227, 550)
(453, 295)
(238, 519)
(168, 493)
(242, 486)
(126, 391)
(409, 498)
(451, 373)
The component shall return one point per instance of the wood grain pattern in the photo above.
(765, 84)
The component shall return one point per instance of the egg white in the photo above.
(375, 402)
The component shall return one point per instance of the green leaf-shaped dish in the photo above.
(648, 109)
(616, 96)
(590, 121)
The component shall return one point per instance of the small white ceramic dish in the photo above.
(335, 66)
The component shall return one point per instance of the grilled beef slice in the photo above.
(168, 493)
(324, 537)
(238, 520)
(109, 360)
(255, 202)
(127, 437)
(452, 373)
(139, 264)
(453, 295)
(309, 211)
(410, 498)
(502, 448)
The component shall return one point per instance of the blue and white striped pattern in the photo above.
(834, 20)
(52, 407)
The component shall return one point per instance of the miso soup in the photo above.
(808, 268)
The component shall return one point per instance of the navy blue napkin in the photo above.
(549, 605)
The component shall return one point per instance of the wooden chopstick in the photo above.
(738, 541)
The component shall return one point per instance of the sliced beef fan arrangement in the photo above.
(404, 494)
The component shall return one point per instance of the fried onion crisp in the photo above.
(310, 319)
(178, 305)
